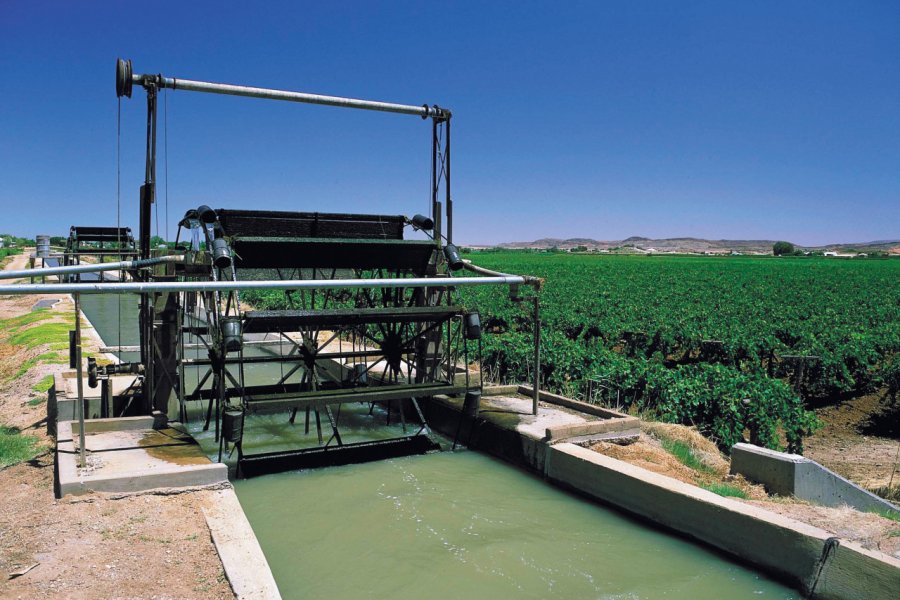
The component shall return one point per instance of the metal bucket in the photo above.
(233, 425)
(43, 246)
(472, 403)
(472, 322)
(221, 253)
(231, 334)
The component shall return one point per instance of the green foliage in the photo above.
(684, 454)
(16, 447)
(890, 377)
(4, 252)
(158, 242)
(890, 493)
(782, 249)
(42, 386)
(37, 328)
(724, 489)
(45, 333)
(46, 357)
(888, 514)
(16, 241)
(28, 318)
(640, 326)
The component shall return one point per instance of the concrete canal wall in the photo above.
(809, 558)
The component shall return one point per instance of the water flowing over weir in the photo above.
(456, 524)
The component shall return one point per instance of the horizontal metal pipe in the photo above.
(141, 287)
(228, 89)
(94, 268)
(528, 279)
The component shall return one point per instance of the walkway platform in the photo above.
(505, 427)
(130, 455)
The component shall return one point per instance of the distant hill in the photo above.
(643, 245)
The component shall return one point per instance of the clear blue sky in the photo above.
(775, 120)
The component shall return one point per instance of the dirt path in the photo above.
(859, 440)
(95, 546)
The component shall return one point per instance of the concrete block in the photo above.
(795, 475)
(127, 455)
(765, 466)
(493, 433)
(62, 403)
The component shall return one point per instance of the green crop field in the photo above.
(717, 342)
(710, 341)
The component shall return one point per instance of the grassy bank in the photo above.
(16, 447)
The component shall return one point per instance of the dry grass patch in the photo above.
(703, 449)
(684, 454)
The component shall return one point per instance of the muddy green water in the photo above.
(449, 525)
(463, 525)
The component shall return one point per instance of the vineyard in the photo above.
(733, 345)
(730, 344)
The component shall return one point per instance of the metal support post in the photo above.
(79, 381)
(435, 205)
(449, 200)
(537, 353)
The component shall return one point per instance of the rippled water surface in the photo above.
(463, 525)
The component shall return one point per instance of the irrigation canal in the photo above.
(452, 524)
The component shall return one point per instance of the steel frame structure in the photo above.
(101, 242)
(389, 304)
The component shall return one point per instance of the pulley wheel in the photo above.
(123, 77)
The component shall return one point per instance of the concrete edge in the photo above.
(69, 482)
(500, 390)
(561, 432)
(112, 424)
(760, 451)
(199, 476)
(804, 555)
(591, 409)
(244, 562)
(66, 470)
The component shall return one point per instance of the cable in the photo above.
(119, 216)
(166, 153)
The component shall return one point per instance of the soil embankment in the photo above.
(684, 454)
(859, 440)
(93, 546)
